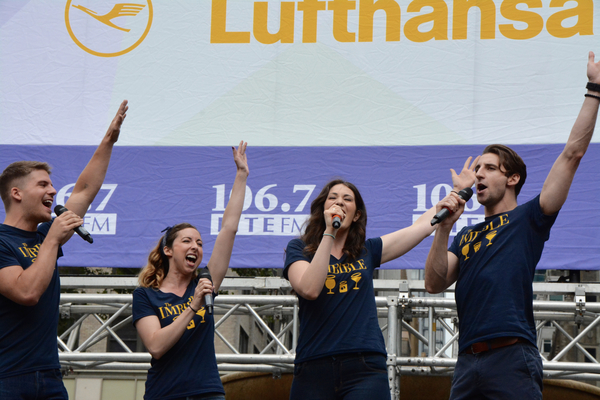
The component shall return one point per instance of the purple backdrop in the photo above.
(149, 188)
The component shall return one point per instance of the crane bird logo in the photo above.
(119, 10)
(108, 38)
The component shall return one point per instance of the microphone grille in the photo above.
(59, 209)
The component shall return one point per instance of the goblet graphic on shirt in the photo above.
(465, 251)
(477, 246)
(356, 277)
(201, 313)
(330, 283)
(490, 236)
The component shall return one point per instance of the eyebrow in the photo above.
(345, 194)
(486, 165)
(189, 237)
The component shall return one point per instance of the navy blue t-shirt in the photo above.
(343, 319)
(189, 368)
(497, 260)
(27, 333)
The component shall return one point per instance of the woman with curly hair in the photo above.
(169, 310)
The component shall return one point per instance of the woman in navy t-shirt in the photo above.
(341, 352)
(168, 307)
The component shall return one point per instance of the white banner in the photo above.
(294, 73)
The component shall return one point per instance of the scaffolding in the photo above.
(405, 301)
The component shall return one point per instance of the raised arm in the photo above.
(91, 178)
(219, 260)
(557, 184)
(397, 243)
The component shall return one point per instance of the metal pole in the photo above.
(391, 350)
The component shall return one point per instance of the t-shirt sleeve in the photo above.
(542, 223)
(7, 258)
(454, 246)
(294, 252)
(141, 306)
(374, 247)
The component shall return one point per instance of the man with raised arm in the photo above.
(493, 262)
(30, 244)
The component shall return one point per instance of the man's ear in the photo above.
(513, 180)
(16, 194)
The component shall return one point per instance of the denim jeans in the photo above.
(39, 385)
(511, 372)
(357, 376)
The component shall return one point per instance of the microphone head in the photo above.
(59, 209)
(205, 273)
(466, 194)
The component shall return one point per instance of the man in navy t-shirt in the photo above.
(30, 244)
(493, 262)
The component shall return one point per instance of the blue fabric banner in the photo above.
(149, 188)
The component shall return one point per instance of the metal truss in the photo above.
(409, 302)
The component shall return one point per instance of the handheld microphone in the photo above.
(80, 230)
(208, 299)
(464, 194)
(337, 221)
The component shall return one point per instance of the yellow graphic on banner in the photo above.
(119, 10)
(420, 21)
(102, 39)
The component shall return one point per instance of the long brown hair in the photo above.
(315, 226)
(153, 274)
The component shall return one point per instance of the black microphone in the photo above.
(337, 221)
(80, 229)
(208, 299)
(464, 194)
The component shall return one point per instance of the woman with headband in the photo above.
(169, 308)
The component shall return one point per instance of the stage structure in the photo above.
(397, 314)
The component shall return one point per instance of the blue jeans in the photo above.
(39, 385)
(356, 376)
(511, 372)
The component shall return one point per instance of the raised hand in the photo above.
(467, 176)
(239, 156)
(115, 126)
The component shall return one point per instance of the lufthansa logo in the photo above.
(108, 32)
